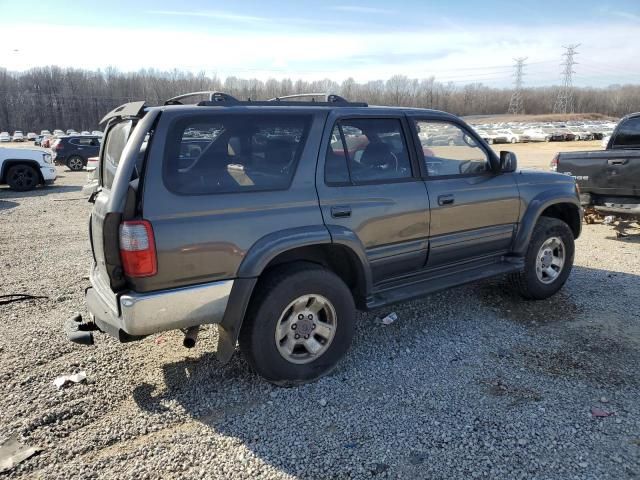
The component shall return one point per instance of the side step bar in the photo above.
(423, 284)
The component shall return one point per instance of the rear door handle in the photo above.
(446, 199)
(617, 161)
(341, 211)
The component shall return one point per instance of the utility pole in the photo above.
(516, 105)
(564, 102)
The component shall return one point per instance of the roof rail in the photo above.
(224, 99)
(328, 97)
(214, 96)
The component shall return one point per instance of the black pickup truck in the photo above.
(609, 180)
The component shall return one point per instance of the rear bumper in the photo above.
(141, 314)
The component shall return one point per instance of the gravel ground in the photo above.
(468, 383)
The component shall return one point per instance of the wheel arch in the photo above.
(336, 249)
(565, 208)
(7, 164)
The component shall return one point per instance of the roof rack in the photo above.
(214, 97)
(220, 99)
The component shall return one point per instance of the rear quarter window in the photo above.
(115, 143)
(233, 153)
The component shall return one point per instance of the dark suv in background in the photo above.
(276, 220)
(74, 150)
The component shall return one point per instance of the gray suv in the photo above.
(277, 219)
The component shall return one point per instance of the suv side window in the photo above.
(628, 134)
(449, 150)
(364, 150)
(233, 153)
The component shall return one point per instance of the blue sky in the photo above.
(461, 41)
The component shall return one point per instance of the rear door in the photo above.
(474, 211)
(368, 183)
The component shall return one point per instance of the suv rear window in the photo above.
(628, 134)
(234, 153)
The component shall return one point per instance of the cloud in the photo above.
(628, 15)
(359, 9)
(211, 14)
(475, 53)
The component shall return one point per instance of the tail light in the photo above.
(57, 145)
(138, 249)
(553, 166)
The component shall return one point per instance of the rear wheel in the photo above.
(75, 163)
(299, 324)
(22, 178)
(514, 140)
(548, 260)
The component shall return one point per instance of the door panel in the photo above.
(372, 189)
(391, 221)
(473, 210)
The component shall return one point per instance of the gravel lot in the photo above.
(469, 383)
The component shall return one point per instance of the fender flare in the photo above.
(535, 208)
(257, 259)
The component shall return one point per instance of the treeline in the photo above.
(53, 97)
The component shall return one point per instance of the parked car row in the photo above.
(519, 132)
(19, 136)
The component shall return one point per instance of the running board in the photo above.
(424, 283)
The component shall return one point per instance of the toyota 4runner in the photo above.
(277, 219)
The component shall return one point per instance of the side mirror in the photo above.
(508, 162)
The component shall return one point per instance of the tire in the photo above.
(274, 303)
(75, 163)
(22, 178)
(528, 282)
(513, 140)
(490, 142)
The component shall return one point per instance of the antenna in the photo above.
(516, 105)
(564, 102)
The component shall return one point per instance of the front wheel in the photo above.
(548, 260)
(22, 178)
(299, 324)
(514, 140)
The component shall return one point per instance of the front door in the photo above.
(474, 211)
(369, 184)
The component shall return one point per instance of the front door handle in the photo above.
(446, 199)
(617, 161)
(341, 211)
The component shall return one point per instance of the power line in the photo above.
(564, 102)
(516, 105)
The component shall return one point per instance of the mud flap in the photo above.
(229, 328)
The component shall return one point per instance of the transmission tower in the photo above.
(564, 102)
(516, 105)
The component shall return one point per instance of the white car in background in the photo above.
(491, 136)
(18, 136)
(45, 132)
(98, 133)
(537, 135)
(31, 136)
(514, 135)
(58, 133)
(5, 137)
(25, 168)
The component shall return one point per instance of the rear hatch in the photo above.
(115, 197)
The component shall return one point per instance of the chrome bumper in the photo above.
(142, 314)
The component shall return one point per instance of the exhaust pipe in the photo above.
(191, 336)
